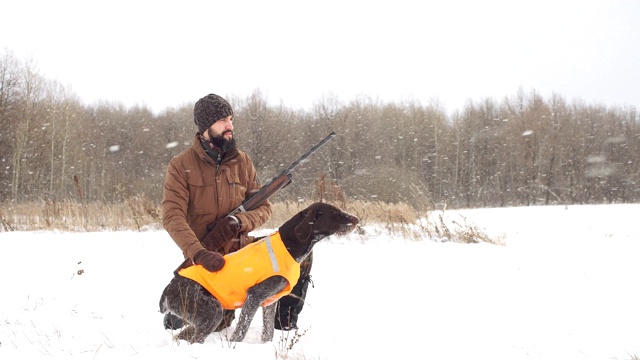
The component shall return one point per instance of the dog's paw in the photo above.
(267, 331)
(189, 334)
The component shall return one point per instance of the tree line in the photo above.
(521, 150)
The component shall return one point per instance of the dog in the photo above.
(199, 297)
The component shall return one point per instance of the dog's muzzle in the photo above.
(348, 224)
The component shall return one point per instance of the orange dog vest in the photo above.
(247, 267)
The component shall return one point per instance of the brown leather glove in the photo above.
(220, 232)
(212, 261)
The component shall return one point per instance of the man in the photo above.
(202, 185)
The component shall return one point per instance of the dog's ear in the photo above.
(305, 226)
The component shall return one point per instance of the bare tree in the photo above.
(9, 96)
(32, 91)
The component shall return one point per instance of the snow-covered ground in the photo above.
(564, 286)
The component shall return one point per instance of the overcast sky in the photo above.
(160, 55)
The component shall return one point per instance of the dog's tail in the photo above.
(163, 304)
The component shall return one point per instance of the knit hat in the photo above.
(210, 109)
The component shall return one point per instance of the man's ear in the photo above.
(304, 229)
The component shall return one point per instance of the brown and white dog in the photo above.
(199, 296)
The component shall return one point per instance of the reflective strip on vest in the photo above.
(272, 255)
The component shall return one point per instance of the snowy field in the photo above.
(564, 286)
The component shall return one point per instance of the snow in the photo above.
(563, 286)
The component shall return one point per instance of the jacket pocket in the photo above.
(201, 195)
(237, 190)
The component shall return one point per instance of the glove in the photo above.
(212, 261)
(220, 232)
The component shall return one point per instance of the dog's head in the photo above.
(313, 224)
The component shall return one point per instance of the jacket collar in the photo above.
(202, 154)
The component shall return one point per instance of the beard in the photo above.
(220, 142)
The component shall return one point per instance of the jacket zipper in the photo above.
(216, 183)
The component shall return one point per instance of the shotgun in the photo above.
(278, 182)
(274, 185)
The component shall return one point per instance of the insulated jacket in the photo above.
(247, 267)
(198, 191)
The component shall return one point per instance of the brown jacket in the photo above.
(197, 192)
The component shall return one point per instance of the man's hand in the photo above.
(212, 261)
(220, 232)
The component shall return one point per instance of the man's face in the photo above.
(221, 134)
(221, 129)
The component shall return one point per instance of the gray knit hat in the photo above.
(210, 109)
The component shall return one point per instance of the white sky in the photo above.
(161, 55)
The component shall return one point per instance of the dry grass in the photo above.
(143, 214)
(135, 214)
(368, 212)
(437, 226)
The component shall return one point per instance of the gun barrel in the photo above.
(278, 182)
(308, 153)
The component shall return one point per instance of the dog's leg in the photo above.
(189, 300)
(268, 320)
(255, 296)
